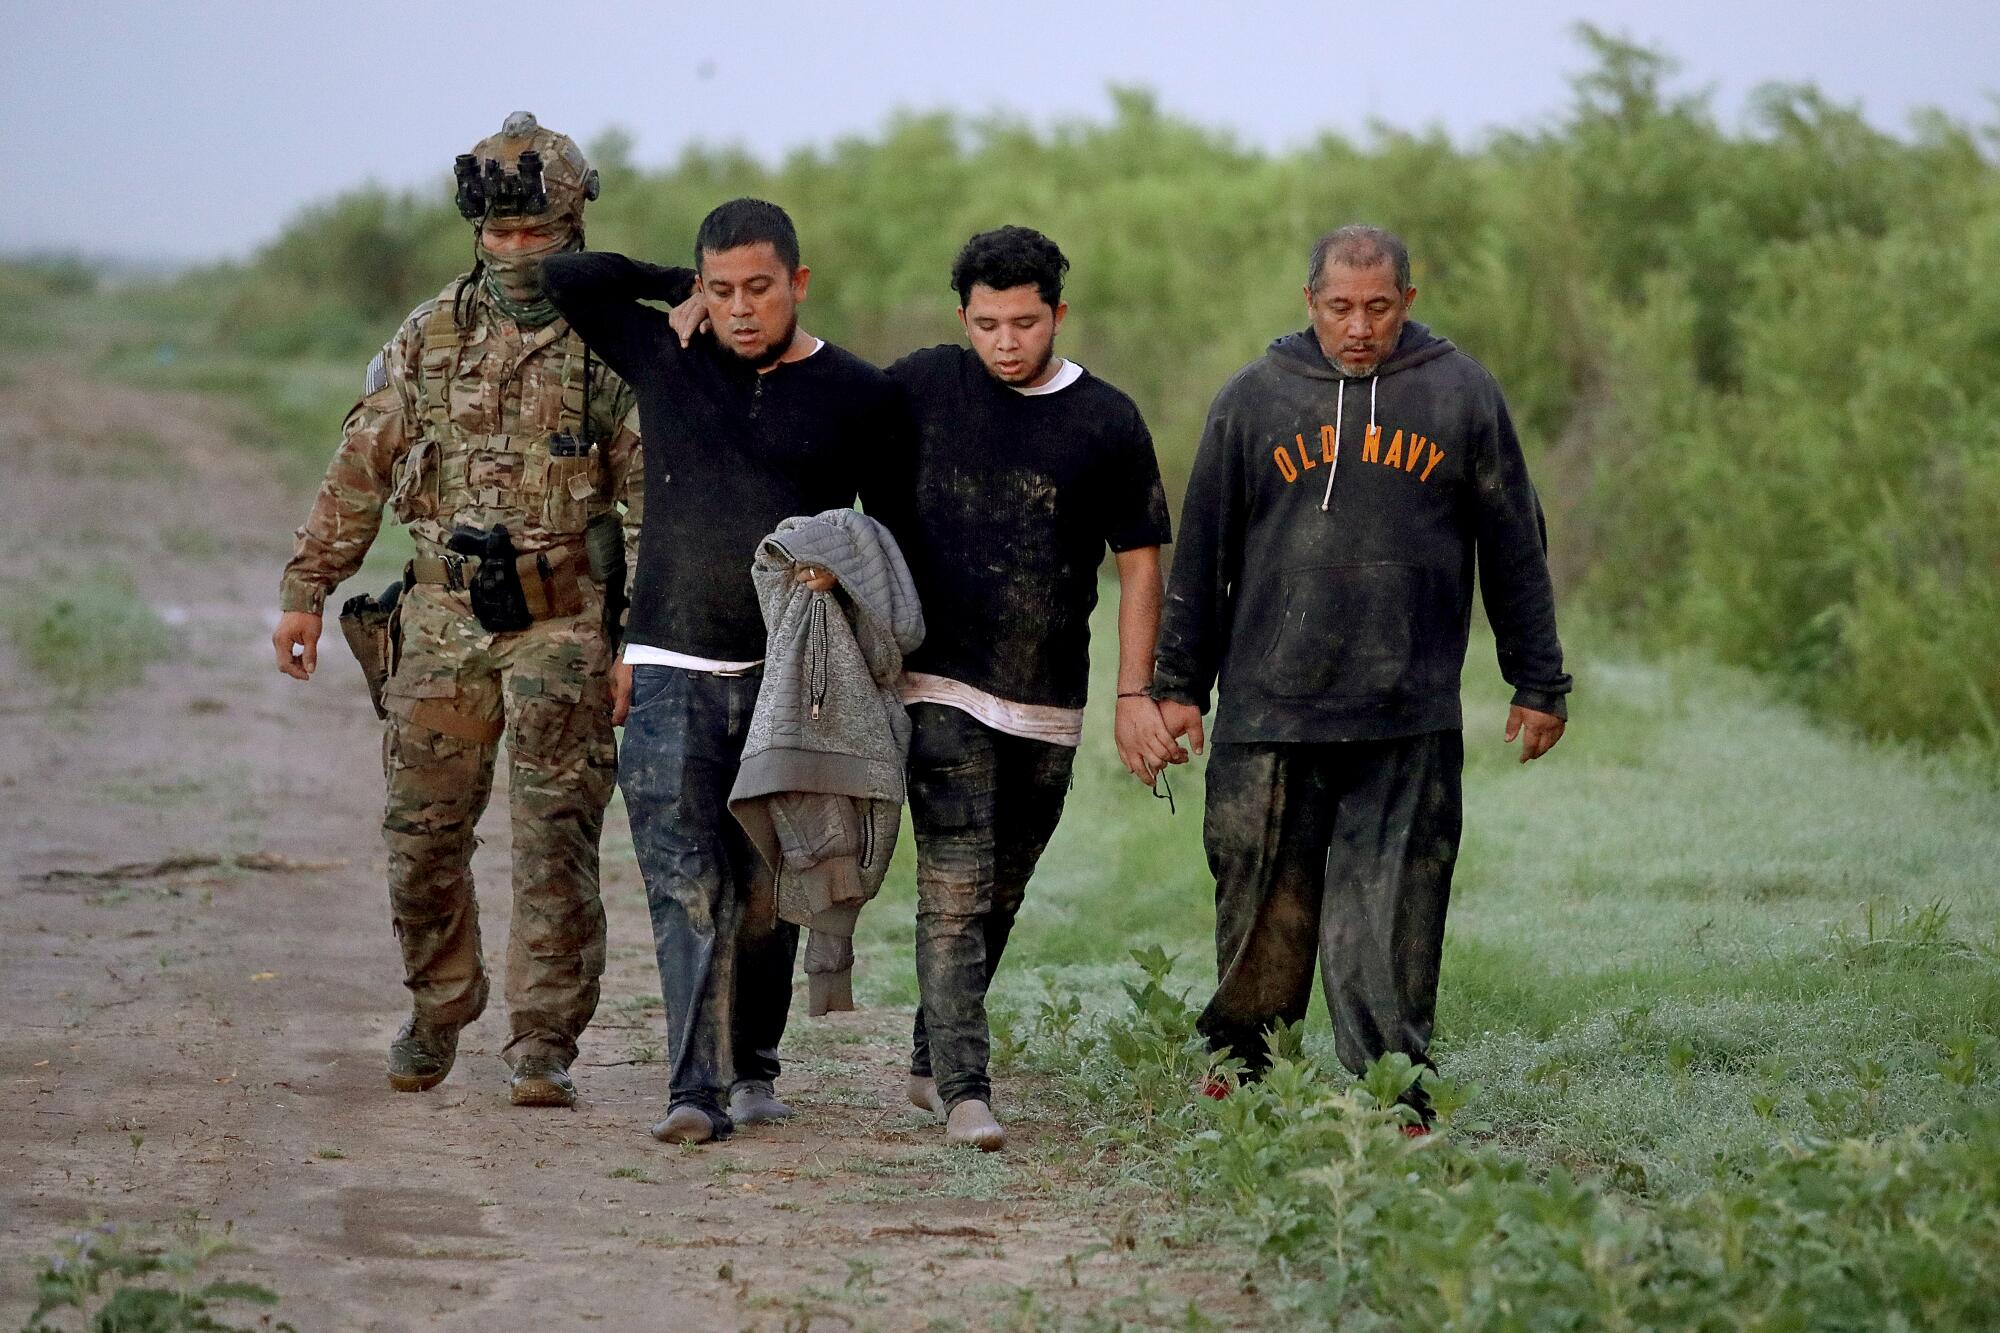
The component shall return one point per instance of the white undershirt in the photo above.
(1066, 374)
(645, 654)
(1035, 722)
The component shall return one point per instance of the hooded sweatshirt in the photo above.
(1328, 542)
(820, 792)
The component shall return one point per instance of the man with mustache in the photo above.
(750, 424)
(1325, 576)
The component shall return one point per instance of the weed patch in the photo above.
(112, 1278)
(85, 632)
(1830, 1226)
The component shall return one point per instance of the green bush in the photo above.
(118, 1280)
(1363, 1227)
(1750, 365)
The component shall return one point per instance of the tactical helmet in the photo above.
(524, 176)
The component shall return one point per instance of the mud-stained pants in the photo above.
(983, 805)
(548, 684)
(725, 961)
(1340, 851)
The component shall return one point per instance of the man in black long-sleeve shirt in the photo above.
(1325, 575)
(753, 424)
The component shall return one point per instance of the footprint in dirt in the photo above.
(407, 1223)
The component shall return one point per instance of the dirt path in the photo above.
(207, 1041)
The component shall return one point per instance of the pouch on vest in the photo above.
(415, 494)
(604, 545)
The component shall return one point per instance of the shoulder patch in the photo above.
(377, 376)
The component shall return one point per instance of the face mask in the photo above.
(514, 280)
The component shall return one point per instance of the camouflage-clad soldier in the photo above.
(488, 428)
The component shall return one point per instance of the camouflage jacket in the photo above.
(454, 428)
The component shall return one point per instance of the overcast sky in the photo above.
(169, 130)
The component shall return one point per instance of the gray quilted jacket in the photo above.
(820, 791)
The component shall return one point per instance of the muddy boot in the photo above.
(753, 1102)
(541, 1080)
(924, 1094)
(691, 1124)
(421, 1055)
(971, 1125)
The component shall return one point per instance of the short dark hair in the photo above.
(742, 222)
(1360, 246)
(1010, 257)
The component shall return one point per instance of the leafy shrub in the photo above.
(119, 1281)
(1364, 1227)
(1751, 366)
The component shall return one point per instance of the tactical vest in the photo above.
(536, 479)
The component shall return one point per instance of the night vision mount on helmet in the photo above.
(524, 176)
(491, 190)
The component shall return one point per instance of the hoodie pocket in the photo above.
(1356, 630)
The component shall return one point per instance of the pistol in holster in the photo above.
(499, 602)
(604, 544)
(373, 628)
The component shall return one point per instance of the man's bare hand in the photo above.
(689, 317)
(1144, 746)
(621, 692)
(1539, 732)
(1182, 720)
(297, 630)
(816, 579)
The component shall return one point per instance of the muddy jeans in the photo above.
(1340, 852)
(982, 805)
(725, 965)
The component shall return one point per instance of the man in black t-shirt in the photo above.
(756, 423)
(1028, 466)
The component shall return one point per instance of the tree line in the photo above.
(1753, 364)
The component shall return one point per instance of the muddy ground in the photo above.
(200, 1034)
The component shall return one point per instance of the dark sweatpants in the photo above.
(1342, 852)
(982, 805)
(725, 961)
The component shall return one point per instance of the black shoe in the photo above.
(541, 1080)
(421, 1055)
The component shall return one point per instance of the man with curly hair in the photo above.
(1028, 467)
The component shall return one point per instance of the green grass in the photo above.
(1704, 940)
(84, 630)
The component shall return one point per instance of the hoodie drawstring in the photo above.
(1339, 402)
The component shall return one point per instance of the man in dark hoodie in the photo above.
(1323, 585)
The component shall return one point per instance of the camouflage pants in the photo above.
(547, 683)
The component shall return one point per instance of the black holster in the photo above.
(373, 627)
(498, 602)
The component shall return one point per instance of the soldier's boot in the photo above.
(924, 1094)
(541, 1080)
(421, 1055)
(755, 1102)
(971, 1125)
